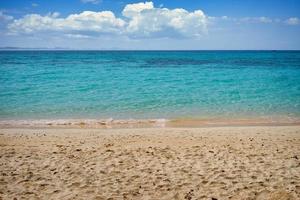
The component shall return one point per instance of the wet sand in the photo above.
(149, 123)
(257, 162)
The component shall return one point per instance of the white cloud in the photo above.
(225, 17)
(244, 19)
(87, 21)
(147, 21)
(77, 36)
(34, 5)
(293, 21)
(139, 20)
(4, 17)
(91, 1)
(264, 20)
(255, 20)
(132, 10)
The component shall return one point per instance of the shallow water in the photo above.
(149, 84)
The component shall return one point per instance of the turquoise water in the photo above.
(149, 84)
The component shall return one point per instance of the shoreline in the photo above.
(146, 123)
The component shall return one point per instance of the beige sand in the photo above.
(153, 163)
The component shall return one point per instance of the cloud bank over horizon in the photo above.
(138, 20)
(144, 25)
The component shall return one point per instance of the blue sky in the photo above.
(161, 24)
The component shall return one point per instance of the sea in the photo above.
(44, 84)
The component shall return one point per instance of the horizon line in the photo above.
(75, 49)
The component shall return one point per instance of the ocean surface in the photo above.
(149, 84)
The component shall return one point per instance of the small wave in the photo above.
(84, 123)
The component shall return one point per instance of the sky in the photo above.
(151, 25)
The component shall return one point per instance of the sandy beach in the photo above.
(151, 163)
